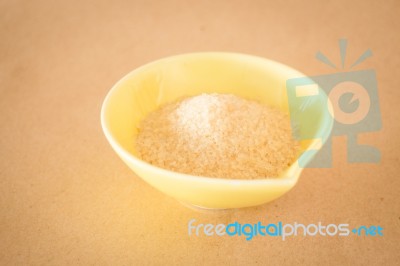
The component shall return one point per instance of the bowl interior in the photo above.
(166, 80)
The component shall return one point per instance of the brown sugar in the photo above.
(218, 135)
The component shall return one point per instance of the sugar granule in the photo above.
(218, 135)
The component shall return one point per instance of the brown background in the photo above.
(65, 197)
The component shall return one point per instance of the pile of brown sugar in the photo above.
(218, 135)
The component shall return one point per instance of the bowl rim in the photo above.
(290, 174)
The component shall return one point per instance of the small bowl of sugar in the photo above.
(213, 129)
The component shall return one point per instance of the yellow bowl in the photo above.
(146, 88)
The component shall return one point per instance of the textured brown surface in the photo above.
(65, 197)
